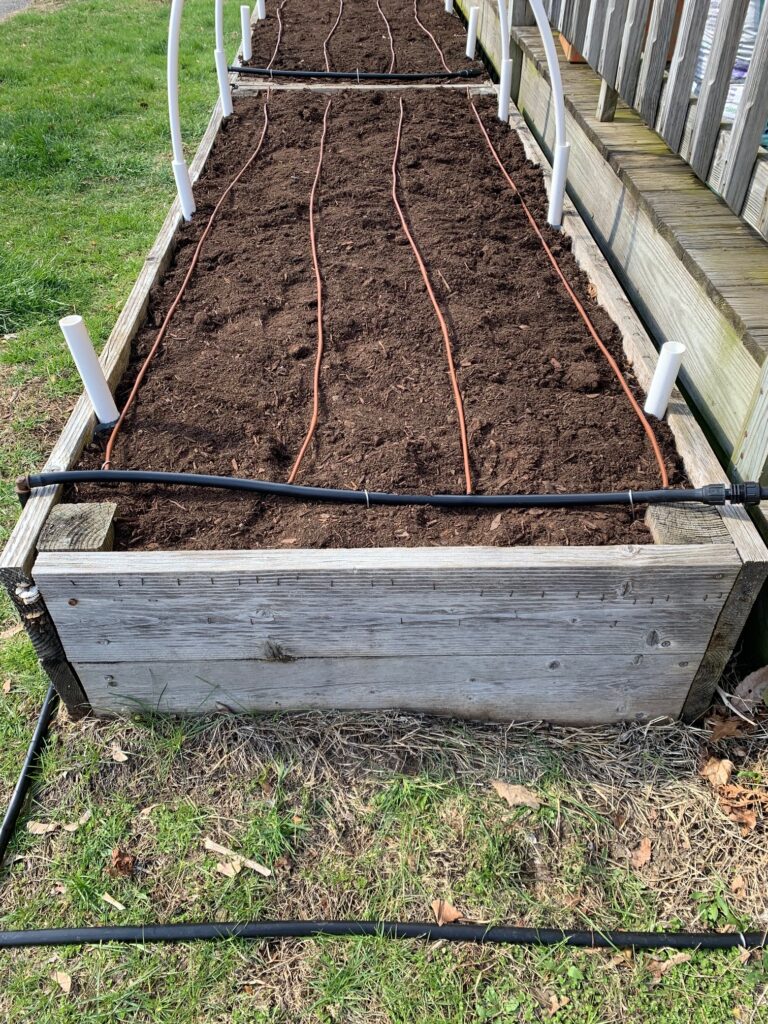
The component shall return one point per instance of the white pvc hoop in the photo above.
(180, 172)
(225, 93)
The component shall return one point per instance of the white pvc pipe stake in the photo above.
(474, 16)
(180, 172)
(561, 147)
(89, 368)
(664, 377)
(261, 9)
(220, 57)
(245, 31)
(505, 81)
(449, 6)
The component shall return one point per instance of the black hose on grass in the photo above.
(428, 932)
(21, 788)
(711, 494)
(265, 930)
(357, 76)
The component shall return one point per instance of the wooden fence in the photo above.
(646, 53)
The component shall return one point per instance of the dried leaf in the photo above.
(556, 1003)
(63, 980)
(728, 728)
(11, 631)
(659, 968)
(738, 885)
(516, 796)
(752, 689)
(445, 913)
(717, 771)
(496, 522)
(146, 811)
(229, 868)
(41, 828)
(6, 686)
(112, 901)
(73, 826)
(117, 754)
(121, 864)
(642, 855)
(245, 862)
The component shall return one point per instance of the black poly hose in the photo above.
(356, 76)
(21, 788)
(428, 932)
(711, 494)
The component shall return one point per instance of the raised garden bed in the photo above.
(574, 617)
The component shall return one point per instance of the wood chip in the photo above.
(445, 913)
(41, 828)
(112, 901)
(516, 796)
(245, 862)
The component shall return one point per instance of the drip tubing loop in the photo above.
(319, 288)
(328, 37)
(393, 60)
(424, 28)
(579, 307)
(179, 295)
(438, 312)
(279, 13)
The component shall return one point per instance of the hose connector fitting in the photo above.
(749, 493)
(23, 490)
(714, 494)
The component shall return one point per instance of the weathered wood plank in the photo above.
(606, 105)
(686, 524)
(520, 13)
(714, 87)
(749, 124)
(593, 34)
(677, 94)
(631, 48)
(366, 603)
(613, 32)
(579, 689)
(655, 58)
(86, 527)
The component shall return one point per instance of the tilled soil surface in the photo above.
(230, 390)
(360, 40)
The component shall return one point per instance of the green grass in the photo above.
(85, 182)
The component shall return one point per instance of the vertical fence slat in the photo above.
(655, 59)
(749, 124)
(520, 13)
(714, 88)
(565, 15)
(593, 36)
(631, 47)
(610, 46)
(579, 24)
(677, 95)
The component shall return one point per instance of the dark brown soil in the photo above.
(360, 41)
(230, 389)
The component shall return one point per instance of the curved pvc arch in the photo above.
(562, 146)
(180, 172)
(225, 94)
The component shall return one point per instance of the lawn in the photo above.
(355, 815)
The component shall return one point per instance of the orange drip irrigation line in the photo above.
(393, 61)
(279, 33)
(580, 308)
(328, 37)
(179, 295)
(438, 311)
(424, 28)
(319, 286)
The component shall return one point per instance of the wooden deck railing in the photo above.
(646, 52)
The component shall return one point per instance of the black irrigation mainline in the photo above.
(357, 76)
(710, 494)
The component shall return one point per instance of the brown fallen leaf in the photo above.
(121, 864)
(659, 968)
(445, 913)
(41, 828)
(73, 826)
(6, 634)
(556, 1003)
(117, 754)
(729, 728)
(752, 690)
(6, 686)
(63, 980)
(642, 855)
(232, 855)
(495, 523)
(146, 811)
(112, 901)
(516, 796)
(738, 885)
(229, 868)
(717, 771)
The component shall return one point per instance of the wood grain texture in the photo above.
(593, 34)
(714, 87)
(631, 48)
(613, 33)
(676, 96)
(86, 527)
(749, 124)
(654, 59)
(606, 104)
(271, 605)
(19, 551)
(582, 689)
